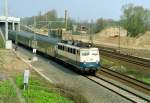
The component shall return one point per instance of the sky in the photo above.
(77, 9)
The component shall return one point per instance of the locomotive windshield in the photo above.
(94, 52)
(90, 52)
(85, 53)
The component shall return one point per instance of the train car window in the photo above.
(62, 47)
(70, 50)
(74, 51)
(78, 52)
(65, 48)
(58, 46)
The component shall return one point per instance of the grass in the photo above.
(139, 76)
(146, 80)
(40, 91)
(42, 96)
(107, 63)
(7, 93)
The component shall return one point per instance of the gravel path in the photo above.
(60, 75)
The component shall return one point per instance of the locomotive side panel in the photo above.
(70, 57)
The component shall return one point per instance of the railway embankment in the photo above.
(39, 89)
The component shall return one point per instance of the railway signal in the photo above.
(26, 78)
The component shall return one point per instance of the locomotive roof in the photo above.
(76, 44)
(71, 46)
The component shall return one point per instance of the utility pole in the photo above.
(6, 20)
(119, 39)
(91, 32)
(34, 27)
(66, 16)
(34, 41)
(34, 37)
(8, 43)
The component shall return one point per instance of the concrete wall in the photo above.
(13, 23)
(11, 26)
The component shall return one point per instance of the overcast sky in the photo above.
(78, 9)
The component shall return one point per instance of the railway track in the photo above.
(129, 87)
(127, 58)
(134, 83)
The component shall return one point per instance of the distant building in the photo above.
(78, 29)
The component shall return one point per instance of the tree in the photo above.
(103, 23)
(135, 19)
(51, 15)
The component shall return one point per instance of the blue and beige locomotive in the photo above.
(83, 56)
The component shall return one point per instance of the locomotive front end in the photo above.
(90, 59)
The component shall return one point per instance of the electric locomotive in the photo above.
(82, 55)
